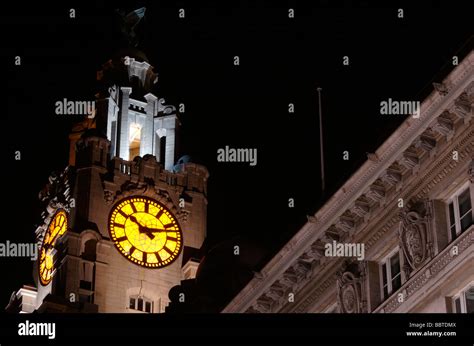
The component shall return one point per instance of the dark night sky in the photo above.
(281, 61)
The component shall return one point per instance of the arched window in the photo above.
(89, 252)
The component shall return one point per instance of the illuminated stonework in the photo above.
(57, 227)
(145, 232)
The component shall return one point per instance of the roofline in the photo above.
(394, 146)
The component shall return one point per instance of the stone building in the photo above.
(409, 206)
(122, 222)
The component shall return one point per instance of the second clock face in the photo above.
(56, 228)
(145, 232)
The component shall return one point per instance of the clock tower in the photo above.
(123, 220)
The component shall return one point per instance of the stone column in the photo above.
(123, 128)
(169, 149)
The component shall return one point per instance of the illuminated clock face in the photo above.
(145, 232)
(57, 227)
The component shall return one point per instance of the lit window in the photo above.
(391, 274)
(140, 304)
(464, 301)
(460, 212)
(134, 140)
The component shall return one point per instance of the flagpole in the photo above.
(323, 184)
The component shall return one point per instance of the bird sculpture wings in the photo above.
(129, 22)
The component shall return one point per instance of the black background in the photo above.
(240, 329)
(282, 60)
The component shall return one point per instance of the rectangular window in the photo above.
(148, 307)
(132, 303)
(385, 282)
(464, 301)
(142, 304)
(452, 221)
(469, 299)
(460, 212)
(465, 209)
(395, 272)
(457, 304)
(391, 274)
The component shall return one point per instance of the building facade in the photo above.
(409, 207)
(122, 221)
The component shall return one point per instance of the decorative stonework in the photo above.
(374, 182)
(164, 108)
(56, 195)
(418, 280)
(350, 288)
(441, 88)
(415, 235)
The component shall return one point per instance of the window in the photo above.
(140, 304)
(464, 302)
(391, 274)
(86, 280)
(134, 140)
(86, 298)
(460, 212)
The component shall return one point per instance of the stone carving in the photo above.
(165, 109)
(373, 157)
(56, 195)
(376, 191)
(109, 197)
(350, 288)
(414, 235)
(441, 88)
(462, 105)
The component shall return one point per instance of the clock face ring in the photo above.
(56, 228)
(145, 232)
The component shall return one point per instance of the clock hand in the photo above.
(141, 228)
(155, 230)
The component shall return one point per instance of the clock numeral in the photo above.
(134, 208)
(168, 250)
(157, 255)
(61, 220)
(145, 255)
(116, 224)
(147, 207)
(172, 238)
(132, 250)
(158, 215)
(124, 214)
(169, 225)
(121, 239)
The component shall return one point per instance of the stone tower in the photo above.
(123, 153)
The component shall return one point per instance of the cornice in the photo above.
(413, 136)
